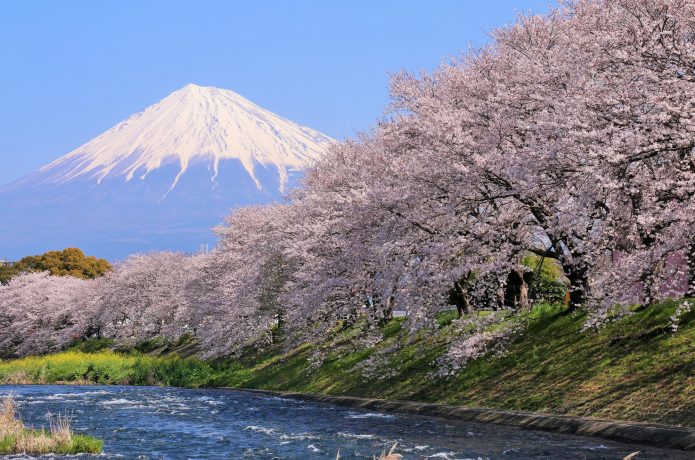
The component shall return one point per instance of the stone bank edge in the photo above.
(674, 437)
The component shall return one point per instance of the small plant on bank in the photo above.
(16, 438)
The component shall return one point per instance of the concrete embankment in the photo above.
(674, 437)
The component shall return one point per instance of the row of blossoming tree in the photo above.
(571, 136)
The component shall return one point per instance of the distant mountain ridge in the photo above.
(159, 179)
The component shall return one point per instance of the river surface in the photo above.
(171, 423)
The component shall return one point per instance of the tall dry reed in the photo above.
(390, 455)
(28, 441)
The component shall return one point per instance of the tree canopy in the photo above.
(68, 262)
(571, 136)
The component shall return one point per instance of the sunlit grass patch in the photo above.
(106, 367)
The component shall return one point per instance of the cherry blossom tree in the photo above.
(144, 298)
(40, 313)
(570, 136)
(236, 289)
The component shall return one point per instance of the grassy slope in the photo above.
(635, 368)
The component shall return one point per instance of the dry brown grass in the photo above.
(391, 455)
(9, 424)
(17, 378)
(16, 438)
(21, 377)
(32, 441)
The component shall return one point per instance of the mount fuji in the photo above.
(159, 179)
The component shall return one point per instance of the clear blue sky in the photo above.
(69, 70)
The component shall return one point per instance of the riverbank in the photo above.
(214, 423)
(636, 368)
(631, 432)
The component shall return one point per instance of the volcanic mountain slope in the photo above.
(160, 179)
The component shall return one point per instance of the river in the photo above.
(171, 423)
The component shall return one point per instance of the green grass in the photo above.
(107, 367)
(79, 444)
(83, 444)
(16, 438)
(635, 368)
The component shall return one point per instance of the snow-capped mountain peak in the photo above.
(193, 124)
(160, 179)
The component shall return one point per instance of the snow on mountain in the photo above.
(192, 124)
(160, 179)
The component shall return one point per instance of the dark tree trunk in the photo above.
(92, 331)
(578, 277)
(388, 311)
(517, 288)
(500, 297)
(275, 332)
(523, 294)
(462, 298)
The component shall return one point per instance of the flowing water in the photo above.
(171, 423)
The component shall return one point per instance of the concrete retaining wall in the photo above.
(674, 437)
